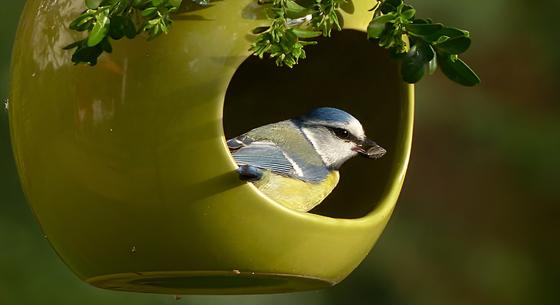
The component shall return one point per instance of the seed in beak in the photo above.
(370, 149)
(376, 152)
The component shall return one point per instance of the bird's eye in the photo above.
(341, 133)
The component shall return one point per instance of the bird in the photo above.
(296, 162)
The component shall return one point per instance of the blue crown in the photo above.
(329, 114)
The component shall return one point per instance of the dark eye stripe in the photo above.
(343, 134)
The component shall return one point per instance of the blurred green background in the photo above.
(477, 222)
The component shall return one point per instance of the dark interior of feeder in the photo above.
(347, 72)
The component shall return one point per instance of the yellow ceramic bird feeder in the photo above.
(127, 171)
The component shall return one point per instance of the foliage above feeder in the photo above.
(419, 44)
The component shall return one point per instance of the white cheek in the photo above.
(338, 153)
(341, 148)
(333, 151)
(346, 150)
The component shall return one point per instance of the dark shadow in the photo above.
(346, 72)
(215, 185)
(347, 6)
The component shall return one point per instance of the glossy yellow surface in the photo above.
(125, 164)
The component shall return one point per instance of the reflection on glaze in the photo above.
(123, 80)
(48, 37)
(254, 11)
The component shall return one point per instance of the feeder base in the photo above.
(208, 282)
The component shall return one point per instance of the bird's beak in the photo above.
(370, 149)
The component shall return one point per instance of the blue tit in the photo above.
(295, 162)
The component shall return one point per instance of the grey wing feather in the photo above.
(267, 155)
(259, 154)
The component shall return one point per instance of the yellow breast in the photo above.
(296, 194)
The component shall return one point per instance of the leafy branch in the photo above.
(420, 44)
(293, 26)
(115, 19)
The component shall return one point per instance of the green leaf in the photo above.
(149, 11)
(75, 44)
(454, 32)
(432, 65)
(306, 33)
(307, 42)
(130, 29)
(93, 4)
(375, 30)
(87, 55)
(458, 71)
(384, 18)
(163, 27)
(290, 38)
(427, 52)
(158, 2)
(99, 31)
(386, 7)
(441, 39)
(446, 31)
(413, 65)
(260, 29)
(423, 29)
(106, 45)
(122, 26)
(138, 3)
(408, 12)
(456, 45)
(294, 10)
(116, 31)
(177, 3)
(82, 23)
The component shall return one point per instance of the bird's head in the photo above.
(337, 136)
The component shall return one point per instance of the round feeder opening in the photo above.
(346, 72)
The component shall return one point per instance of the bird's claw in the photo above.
(249, 173)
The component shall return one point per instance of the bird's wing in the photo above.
(267, 155)
(264, 155)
